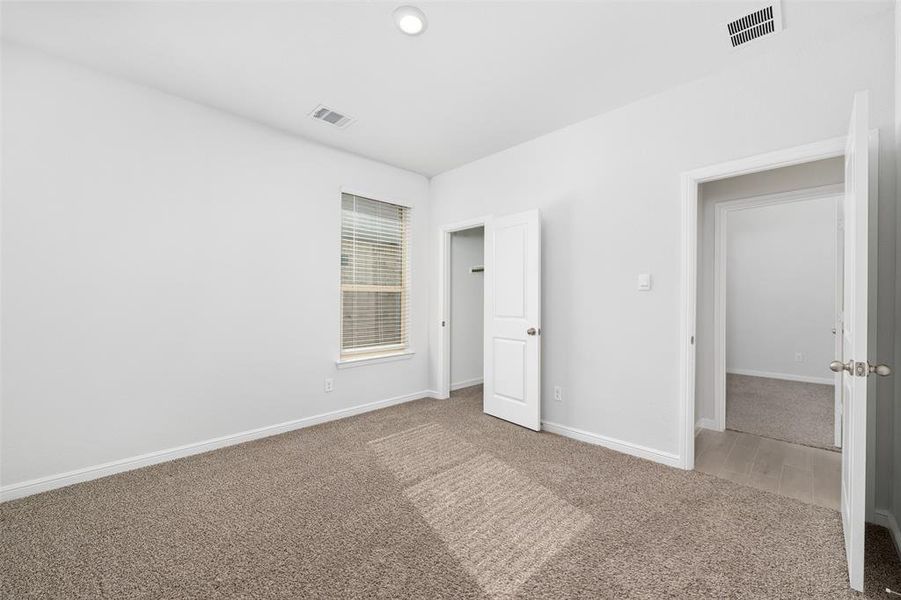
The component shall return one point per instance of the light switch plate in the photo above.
(644, 282)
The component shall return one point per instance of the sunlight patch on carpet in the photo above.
(499, 524)
(421, 451)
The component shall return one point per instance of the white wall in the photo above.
(780, 290)
(170, 272)
(467, 307)
(609, 192)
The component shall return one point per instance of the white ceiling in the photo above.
(485, 76)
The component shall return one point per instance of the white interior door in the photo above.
(855, 367)
(837, 335)
(512, 386)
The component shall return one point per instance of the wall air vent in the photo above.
(327, 115)
(761, 23)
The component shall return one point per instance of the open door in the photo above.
(837, 316)
(512, 382)
(853, 362)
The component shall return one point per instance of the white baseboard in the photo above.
(783, 376)
(466, 383)
(888, 520)
(666, 458)
(706, 423)
(50, 482)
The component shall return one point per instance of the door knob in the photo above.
(881, 370)
(838, 366)
(531, 331)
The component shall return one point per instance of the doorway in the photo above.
(467, 311)
(511, 338)
(777, 301)
(857, 361)
(768, 313)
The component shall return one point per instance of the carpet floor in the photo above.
(430, 499)
(792, 411)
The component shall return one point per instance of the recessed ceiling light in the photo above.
(410, 20)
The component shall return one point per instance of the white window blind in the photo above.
(375, 280)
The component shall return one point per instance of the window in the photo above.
(375, 280)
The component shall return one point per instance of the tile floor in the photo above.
(808, 474)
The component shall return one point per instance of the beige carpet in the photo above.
(431, 499)
(500, 525)
(792, 411)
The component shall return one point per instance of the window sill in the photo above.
(346, 363)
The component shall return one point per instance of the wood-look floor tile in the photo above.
(708, 440)
(797, 456)
(769, 460)
(747, 441)
(825, 461)
(811, 475)
(827, 488)
(764, 482)
(740, 458)
(796, 483)
(711, 461)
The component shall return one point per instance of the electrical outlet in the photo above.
(799, 357)
(329, 385)
(558, 393)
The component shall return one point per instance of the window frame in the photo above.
(386, 352)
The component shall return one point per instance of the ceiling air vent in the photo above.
(327, 115)
(760, 23)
